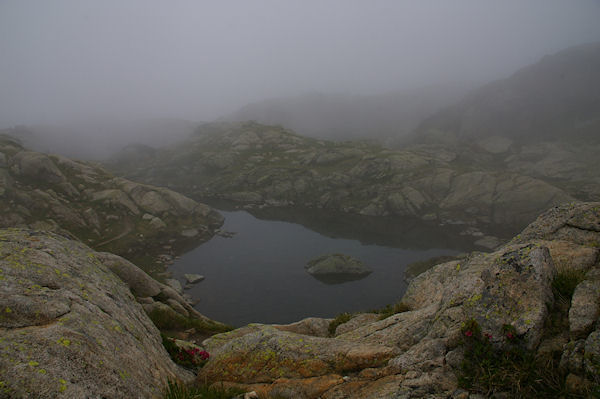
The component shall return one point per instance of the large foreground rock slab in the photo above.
(71, 328)
(259, 354)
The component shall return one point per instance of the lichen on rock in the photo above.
(69, 327)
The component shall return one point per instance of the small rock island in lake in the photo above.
(337, 268)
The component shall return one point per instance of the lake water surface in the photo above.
(258, 275)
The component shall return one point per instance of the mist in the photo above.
(78, 60)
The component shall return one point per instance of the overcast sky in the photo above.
(66, 59)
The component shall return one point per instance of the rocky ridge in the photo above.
(418, 353)
(262, 165)
(106, 212)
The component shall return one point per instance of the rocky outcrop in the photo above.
(105, 212)
(418, 353)
(479, 184)
(69, 327)
(337, 266)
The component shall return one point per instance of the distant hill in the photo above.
(382, 117)
(557, 97)
(261, 165)
(99, 139)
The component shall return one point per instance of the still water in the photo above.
(258, 274)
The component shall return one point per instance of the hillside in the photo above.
(108, 213)
(555, 98)
(383, 117)
(100, 138)
(262, 165)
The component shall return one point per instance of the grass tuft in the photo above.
(178, 390)
(510, 369)
(390, 310)
(339, 319)
(565, 282)
(167, 321)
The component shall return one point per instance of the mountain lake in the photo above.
(258, 274)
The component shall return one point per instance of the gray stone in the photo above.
(140, 283)
(80, 331)
(313, 326)
(585, 305)
(356, 322)
(193, 278)
(157, 223)
(176, 306)
(116, 197)
(175, 284)
(37, 166)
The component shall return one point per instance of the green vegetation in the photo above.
(178, 390)
(166, 320)
(338, 320)
(565, 282)
(384, 313)
(512, 369)
(190, 358)
(390, 310)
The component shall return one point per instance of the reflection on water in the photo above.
(258, 275)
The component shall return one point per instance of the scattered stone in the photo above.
(189, 233)
(157, 223)
(225, 234)
(193, 278)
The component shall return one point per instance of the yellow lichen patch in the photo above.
(64, 342)
(33, 363)
(63, 385)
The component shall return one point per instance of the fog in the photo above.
(74, 60)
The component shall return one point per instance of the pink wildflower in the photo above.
(469, 333)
